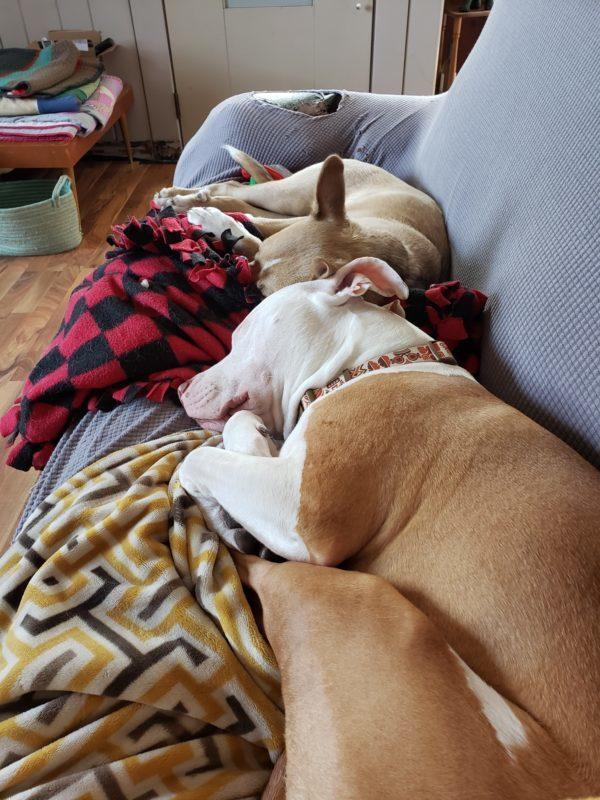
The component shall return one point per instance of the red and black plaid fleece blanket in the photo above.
(161, 309)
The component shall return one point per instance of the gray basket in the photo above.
(38, 217)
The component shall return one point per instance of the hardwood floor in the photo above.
(34, 290)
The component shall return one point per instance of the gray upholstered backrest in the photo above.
(513, 156)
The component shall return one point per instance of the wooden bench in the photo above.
(64, 155)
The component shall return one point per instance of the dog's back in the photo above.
(484, 520)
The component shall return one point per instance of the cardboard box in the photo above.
(83, 39)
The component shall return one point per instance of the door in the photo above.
(223, 47)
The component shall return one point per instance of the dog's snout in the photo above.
(181, 389)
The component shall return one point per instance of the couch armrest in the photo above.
(358, 126)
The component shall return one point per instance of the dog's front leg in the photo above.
(246, 433)
(217, 222)
(179, 199)
(225, 195)
(259, 492)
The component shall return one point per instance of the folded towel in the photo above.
(27, 106)
(100, 105)
(58, 127)
(27, 71)
(82, 93)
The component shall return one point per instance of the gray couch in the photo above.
(512, 154)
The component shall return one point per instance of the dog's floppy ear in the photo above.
(331, 192)
(395, 307)
(362, 274)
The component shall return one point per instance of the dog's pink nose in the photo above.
(182, 387)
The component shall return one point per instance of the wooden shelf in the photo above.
(448, 66)
(66, 154)
(467, 14)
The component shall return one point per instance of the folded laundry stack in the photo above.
(52, 95)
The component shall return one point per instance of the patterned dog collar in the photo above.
(431, 352)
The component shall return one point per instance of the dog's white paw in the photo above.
(215, 221)
(245, 432)
(181, 200)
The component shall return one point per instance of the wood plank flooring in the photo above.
(34, 290)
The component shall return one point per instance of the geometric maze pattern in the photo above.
(130, 663)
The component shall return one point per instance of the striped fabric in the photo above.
(100, 104)
(130, 663)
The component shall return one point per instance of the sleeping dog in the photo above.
(318, 219)
(483, 633)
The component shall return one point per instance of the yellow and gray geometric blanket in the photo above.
(130, 663)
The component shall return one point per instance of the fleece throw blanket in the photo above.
(24, 72)
(160, 310)
(453, 314)
(130, 662)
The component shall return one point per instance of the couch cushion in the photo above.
(513, 156)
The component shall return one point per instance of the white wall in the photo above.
(141, 58)
(422, 46)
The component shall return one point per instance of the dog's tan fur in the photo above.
(500, 561)
(333, 212)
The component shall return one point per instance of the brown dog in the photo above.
(333, 212)
(466, 666)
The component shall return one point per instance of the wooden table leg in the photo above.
(456, 29)
(125, 132)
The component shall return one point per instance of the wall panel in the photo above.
(153, 51)
(12, 27)
(40, 16)
(74, 14)
(113, 18)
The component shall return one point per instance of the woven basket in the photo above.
(38, 217)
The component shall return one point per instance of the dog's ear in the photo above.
(331, 192)
(321, 269)
(362, 274)
(395, 307)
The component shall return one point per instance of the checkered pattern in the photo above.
(452, 313)
(160, 310)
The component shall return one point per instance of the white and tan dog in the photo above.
(332, 212)
(485, 523)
